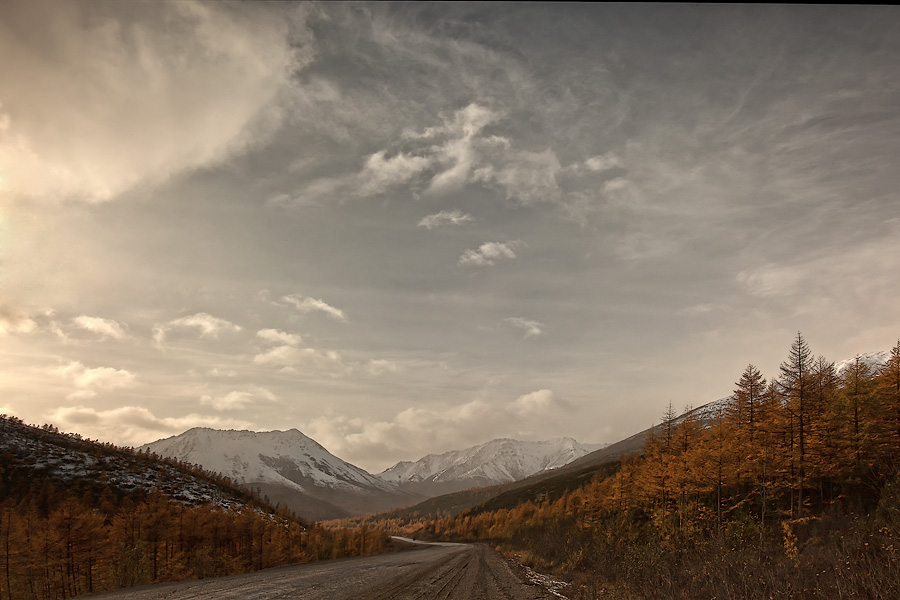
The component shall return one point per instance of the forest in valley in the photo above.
(789, 490)
(63, 537)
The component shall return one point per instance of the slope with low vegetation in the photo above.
(77, 516)
(792, 490)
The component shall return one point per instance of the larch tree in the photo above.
(831, 418)
(744, 412)
(888, 389)
(658, 457)
(857, 379)
(796, 390)
(747, 394)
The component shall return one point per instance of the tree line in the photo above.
(788, 490)
(63, 538)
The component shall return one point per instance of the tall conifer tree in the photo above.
(889, 395)
(795, 386)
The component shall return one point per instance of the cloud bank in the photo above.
(106, 96)
(88, 381)
(417, 431)
(132, 424)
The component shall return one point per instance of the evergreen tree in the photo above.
(795, 387)
(888, 386)
(831, 418)
(750, 389)
(857, 380)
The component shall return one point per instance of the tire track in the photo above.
(476, 573)
(457, 572)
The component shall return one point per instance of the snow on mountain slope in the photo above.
(41, 455)
(289, 468)
(873, 360)
(497, 461)
(287, 458)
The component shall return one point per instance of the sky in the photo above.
(410, 228)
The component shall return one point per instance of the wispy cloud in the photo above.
(104, 328)
(453, 217)
(527, 177)
(207, 325)
(489, 252)
(435, 160)
(531, 328)
(276, 336)
(287, 354)
(444, 158)
(598, 163)
(217, 372)
(460, 151)
(309, 360)
(235, 400)
(811, 281)
(381, 173)
(306, 305)
(702, 309)
(539, 402)
(381, 366)
(12, 321)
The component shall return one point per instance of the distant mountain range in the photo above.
(498, 461)
(294, 470)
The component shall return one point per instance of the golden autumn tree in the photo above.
(795, 385)
(887, 389)
(857, 387)
(745, 414)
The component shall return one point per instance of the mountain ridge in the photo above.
(287, 466)
(498, 461)
(293, 469)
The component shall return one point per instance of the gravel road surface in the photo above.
(449, 572)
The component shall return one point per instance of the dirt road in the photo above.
(448, 572)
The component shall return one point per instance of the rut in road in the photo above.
(476, 574)
(430, 572)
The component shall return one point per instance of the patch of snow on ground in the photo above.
(553, 586)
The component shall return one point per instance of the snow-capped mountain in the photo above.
(873, 360)
(287, 466)
(498, 461)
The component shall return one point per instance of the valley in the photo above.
(80, 516)
(295, 471)
(449, 300)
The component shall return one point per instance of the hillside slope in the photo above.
(288, 467)
(41, 456)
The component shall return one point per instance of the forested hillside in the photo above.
(790, 491)
(78, 516)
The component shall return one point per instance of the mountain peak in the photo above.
(498, 461)
(289, 466)
(247, 457)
